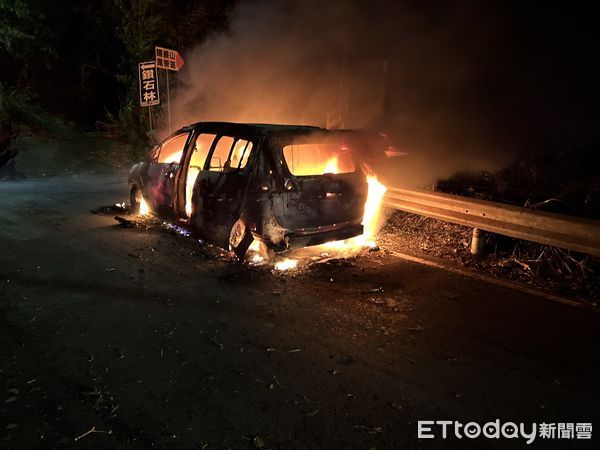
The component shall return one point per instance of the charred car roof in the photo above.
(257, 129)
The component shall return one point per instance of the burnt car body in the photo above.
(237, 183)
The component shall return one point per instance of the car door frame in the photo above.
(219, 197)
(181, 176)
(160, 178)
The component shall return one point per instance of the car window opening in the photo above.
(197, 159)
(219, 159)
(318, 158)
(172, 150)
(239, 154)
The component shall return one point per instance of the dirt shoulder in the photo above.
(557, 271)
(72, 153)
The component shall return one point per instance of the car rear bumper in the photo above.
(321, 235)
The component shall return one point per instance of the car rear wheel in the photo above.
(259, 253)
(246, 247)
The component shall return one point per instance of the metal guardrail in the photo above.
(582, 235)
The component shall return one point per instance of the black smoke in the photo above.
(459, 85)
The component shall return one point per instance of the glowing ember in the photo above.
(255, 246)
(286, 264)
(144, 208)
(255, 253)
(256, 259)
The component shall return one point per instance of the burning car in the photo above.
(262, 187)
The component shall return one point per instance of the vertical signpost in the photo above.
(149, 93)
(168, 59)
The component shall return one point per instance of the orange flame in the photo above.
(372, 220)
(286, 264)
(189, 186)
(372, 217)
(331, 166)
(144, 208)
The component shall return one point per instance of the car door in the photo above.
(221, 188)
(159, 179)
(192, 164)
(323, 186)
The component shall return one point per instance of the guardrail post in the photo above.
(477, 241)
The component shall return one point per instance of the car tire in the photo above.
(240, 239)
(135, 199)
(267, 254)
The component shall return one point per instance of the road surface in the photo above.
(147, 341)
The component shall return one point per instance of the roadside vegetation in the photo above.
(68, 62)
(563, 180)
(554, 270)
(21, 40)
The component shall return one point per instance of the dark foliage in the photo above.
(79, 59)
(564, 180)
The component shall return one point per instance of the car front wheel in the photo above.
(135, 199)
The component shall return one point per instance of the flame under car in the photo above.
(256, 186)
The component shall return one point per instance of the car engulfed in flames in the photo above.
(257, 189)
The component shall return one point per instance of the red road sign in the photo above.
(168, 59)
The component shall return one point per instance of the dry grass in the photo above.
(556, 270)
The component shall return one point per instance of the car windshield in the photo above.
(319, 156)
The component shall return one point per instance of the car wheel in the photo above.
(246, 247)
(236, 235)
(135, 199)
(259, 253)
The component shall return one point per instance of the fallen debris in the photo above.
(178, 230)
(369, 430)
(125, 223)
(92, 430)
(257, 441)
(110, 209)
(374, 290)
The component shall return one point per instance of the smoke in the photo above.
(442, 81)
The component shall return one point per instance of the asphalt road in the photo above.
(147, 340)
